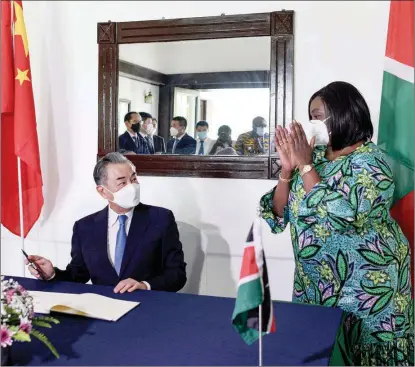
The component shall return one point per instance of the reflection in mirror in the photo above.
(205, 97)
(124, 106)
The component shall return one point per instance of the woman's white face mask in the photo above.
(318, 129)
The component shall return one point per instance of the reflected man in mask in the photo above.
(146, 130)
(128, 245)
(158, 141)
(181, 142)
(132, 140)
(255, 142)
(204, 143)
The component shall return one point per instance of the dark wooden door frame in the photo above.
(277, 25)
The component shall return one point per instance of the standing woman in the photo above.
(348, 250)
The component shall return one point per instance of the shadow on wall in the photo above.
(218, 263)
(206, 252)
(206, 273)
(191, 237)
(194, 257)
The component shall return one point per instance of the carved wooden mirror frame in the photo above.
(278, 25)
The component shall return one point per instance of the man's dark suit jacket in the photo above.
(126, 142)
(159, 146)
(153, 252)
(186, 145)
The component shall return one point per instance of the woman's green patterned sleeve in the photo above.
(364, 193)
(276, 223)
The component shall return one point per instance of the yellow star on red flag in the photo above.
(19, 27)
(22, 76)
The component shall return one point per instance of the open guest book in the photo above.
(85, 304)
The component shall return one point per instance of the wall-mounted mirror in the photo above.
(204, 97)
(197, 96)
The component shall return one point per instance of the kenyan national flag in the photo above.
(396, 125)
(253, 290)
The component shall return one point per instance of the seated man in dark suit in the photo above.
(180, 143)
(158, 141)
(128, 245)
(131, 140)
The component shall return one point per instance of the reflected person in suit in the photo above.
(131, 140)
(181, 142)
(146, 130)
(203, 142)
(158, 141)
(223, 145)
(128, 244)
(254, 142)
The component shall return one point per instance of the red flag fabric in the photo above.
(7, 85)
(403, 213)
(9, 179)
(399, 44)
(19, 135)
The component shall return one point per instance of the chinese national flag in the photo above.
(18, 126)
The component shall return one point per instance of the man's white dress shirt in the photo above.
(207, 145)
(113, 226)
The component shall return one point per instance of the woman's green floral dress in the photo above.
(350, 253)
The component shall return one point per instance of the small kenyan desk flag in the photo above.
(253, 291)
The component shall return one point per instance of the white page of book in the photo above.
(44, 301)
(85, 304)
(102, 307)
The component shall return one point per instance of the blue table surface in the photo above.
(169, 329)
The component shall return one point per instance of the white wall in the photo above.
(201, 56)
(334, 41)
(224, 108)
(135, 91)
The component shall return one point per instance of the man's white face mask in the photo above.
(128, 197)
(173, 131)
(260, 130)
(318, 129)
(150, 129)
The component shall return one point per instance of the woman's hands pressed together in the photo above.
(294, 151)
(282, 137)
(293, 147)
(302, 151)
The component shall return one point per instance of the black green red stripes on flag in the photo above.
(253, 291)
(396, 123)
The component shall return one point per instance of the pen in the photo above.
(35, 266)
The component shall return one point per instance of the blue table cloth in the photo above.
(169, 329)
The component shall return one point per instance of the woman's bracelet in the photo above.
(285, 179)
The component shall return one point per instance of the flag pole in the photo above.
(19, 174)
(260, 335)
(260, 308)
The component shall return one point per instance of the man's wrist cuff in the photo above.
(147, 285)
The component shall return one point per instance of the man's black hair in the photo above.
(129, 116)
(202, 123)
(181, 120)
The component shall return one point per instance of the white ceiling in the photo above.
(201, 56)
